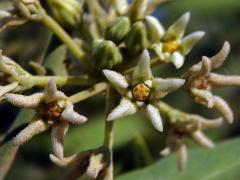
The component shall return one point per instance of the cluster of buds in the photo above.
(123, 42)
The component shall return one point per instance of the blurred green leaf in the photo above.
(7, 150)
(220, 163)
(55, 61)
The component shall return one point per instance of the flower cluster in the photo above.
(117, 44)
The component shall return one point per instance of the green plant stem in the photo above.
(41, 81)
(67, 40)
(98, 88)
(108, 135)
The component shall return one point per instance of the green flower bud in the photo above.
(67, 12)
(118, 29)
(106, 54)
(137, 10)
(136, 39)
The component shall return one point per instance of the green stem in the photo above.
(67, 40)
(108, 135)
(98, 88)
(41, 81)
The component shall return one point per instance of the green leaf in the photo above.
(220, 163)
(55, 61)
(7, 150)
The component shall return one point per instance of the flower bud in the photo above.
(106, 54)
(67, 12)
(137, 10)
(136, 39)
(118, 29)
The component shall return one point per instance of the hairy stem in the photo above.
(108, 136)
(41, 81)
(98, 88)
(67, 40)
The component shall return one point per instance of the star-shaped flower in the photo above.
(53, 110)
(170, 45)
(142, 90)
(200, 80)
(189, 126)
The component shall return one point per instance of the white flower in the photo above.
(53, 110)
(200, 80)
(142, 91)
(170, 45)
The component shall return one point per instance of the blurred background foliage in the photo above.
(137, 144)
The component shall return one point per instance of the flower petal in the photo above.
(33, 128)
(126, 107)
(220, 57)
(154, 116)
(182, 157)
(57, 135)
(222, 106)
(178, 28)
(24, 101)
(163, 86)
(72, 116)
(51, 91)
(7, 88)
(64, 161)
(190, 40)
(143, 70)
(202, 140)
(177, 59)
(203, 96)
(156, 30)
(117, 80)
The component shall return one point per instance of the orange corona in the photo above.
(141, 92)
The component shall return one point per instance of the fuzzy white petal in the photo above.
(57, 135)
(202, 140)
(7, 88)
(126, 107)
(72, 116)
(182, 157)
(177, 59)
(117, 80)
(220, 57)
(34, 128)
(190, 40)
(51, 91)
(24, 101)
(203, 96)
(95, 166)
(222, 106)
(167, 85)
(154, 116)
(143, 70)
(66, 161)
(178, 28)
(156, 29)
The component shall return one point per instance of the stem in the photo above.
(60, 80)
(98, 88)
(108, 136)
(67, 40)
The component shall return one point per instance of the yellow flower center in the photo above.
(170, 46)
(141, 92)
